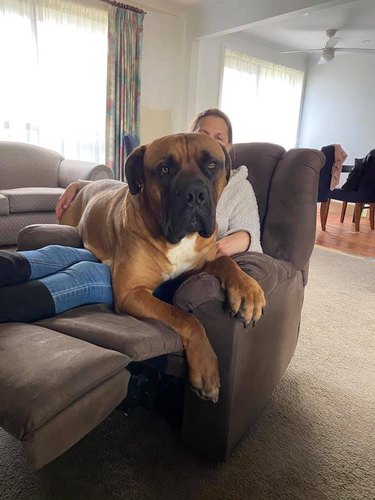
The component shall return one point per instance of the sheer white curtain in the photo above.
(53, 60)
(262, 99)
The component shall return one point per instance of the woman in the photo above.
(65, 277)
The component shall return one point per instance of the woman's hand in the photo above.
(234, 243)
(65, 200)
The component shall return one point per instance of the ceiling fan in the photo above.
(327, 53)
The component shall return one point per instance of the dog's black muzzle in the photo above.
(191, 209)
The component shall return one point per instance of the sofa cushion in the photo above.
(32, 199)
(43, 372)
(97, 324)
(4, 205)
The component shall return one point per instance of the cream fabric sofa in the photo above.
(31, 180)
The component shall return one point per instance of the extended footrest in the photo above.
(54, 388)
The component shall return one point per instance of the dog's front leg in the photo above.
(245, 297)
(202, 361)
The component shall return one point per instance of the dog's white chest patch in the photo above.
(182, 257)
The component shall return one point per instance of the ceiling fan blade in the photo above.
(354, 49)
(332, 42)
(299, 51)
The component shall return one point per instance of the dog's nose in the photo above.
(196, 194)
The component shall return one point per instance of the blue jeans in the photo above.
(73, 276)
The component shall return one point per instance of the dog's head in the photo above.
(181, 177)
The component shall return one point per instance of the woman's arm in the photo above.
(237, 242)
(238, 217)
(66, 199)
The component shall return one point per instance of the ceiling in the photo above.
(354, 21)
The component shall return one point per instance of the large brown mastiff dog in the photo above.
(162, 225)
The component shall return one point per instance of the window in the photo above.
(262, 99)
(53, 61)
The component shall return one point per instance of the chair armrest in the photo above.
(40, 235)
(202, 288)
(251, 360)
(72, 170)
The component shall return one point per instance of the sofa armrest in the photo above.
(4, 205)
(72, 170)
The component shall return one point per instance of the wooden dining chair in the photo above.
(362, 192)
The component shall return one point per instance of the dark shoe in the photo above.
(26, 302)
(14, 268)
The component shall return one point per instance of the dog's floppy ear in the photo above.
(134, 172)
(228, 161)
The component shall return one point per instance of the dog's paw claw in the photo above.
(213, 396)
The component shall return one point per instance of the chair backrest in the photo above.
(285, 185)
(129, 143)
(361, 179)
(260, 159)
(366, 186)
(326, 173)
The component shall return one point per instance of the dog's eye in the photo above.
(212, 165)
(164, 169)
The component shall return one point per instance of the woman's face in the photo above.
(215, 127)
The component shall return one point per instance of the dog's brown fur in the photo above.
(125, 227)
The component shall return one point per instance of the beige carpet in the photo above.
(314, 439)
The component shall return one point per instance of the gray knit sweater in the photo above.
(237, 209)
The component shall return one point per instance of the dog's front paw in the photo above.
(245, 298)
(203, 371)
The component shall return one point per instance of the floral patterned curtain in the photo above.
(125, 33)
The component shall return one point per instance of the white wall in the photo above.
(339, 105)
(161, 74)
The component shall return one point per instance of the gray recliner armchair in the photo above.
(251, 360)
